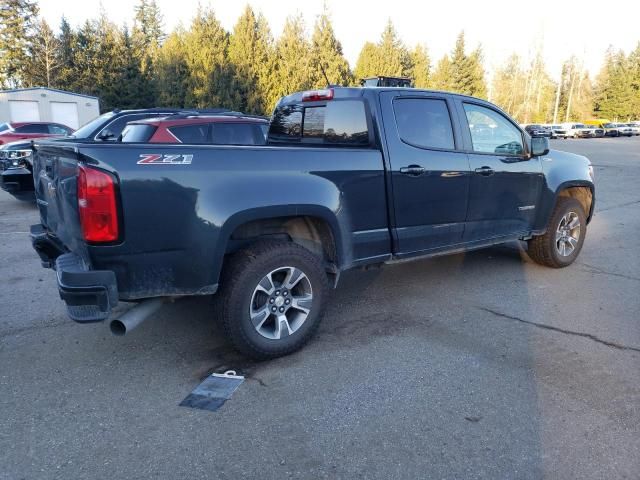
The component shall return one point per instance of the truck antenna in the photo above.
(325, 75)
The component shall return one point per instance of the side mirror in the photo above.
(106, 134)
(539, 146)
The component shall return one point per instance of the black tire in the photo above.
(244, 271)
(544, 249)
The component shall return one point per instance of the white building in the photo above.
(40, 104)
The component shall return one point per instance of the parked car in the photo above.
(624, 130)
(635, 128)
(598, 132)
(578, 130)
(199, 130)
(559, 131)
(10, 132)
(16, 164)
(269, 228)
(617, 130)
(536, 130)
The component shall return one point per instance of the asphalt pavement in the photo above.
(479, 365)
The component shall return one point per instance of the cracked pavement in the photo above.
(482, 365)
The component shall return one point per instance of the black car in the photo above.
(16, 165)
(536, 130)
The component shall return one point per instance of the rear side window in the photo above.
(137, 133)
(4, 127)
(33, 128)
(236, 134)
(342, 122)
(196, 134)
(424, 122)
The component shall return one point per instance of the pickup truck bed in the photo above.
(350, 176)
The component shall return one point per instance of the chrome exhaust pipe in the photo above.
(135, 316)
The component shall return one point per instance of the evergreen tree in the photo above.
(467, 74)
(173, 71)
(420, 67)
(44, 61)
(615, 96)
(17, 26)
(389, 57)
(250, 49)
(443, 75)
(394, 57)
(293, 53)
(146, 38)
(209, 83)
(65, 56)
(367, 63)
(326, 53)
(634, 74)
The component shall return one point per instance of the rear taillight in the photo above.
(97, 205)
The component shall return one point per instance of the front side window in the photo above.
(58, 130)
(115, 128)
(424, 122)
(491, 132)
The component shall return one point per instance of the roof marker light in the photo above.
(317, 95)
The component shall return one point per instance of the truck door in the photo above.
(505, 181)
(429, 171)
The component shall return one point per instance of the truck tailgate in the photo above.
(55, 171)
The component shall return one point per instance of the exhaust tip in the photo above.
(118, 328)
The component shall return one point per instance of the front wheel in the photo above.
(561, 244)
(272, 298)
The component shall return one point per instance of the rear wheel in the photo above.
(561, 244)
(273, 298)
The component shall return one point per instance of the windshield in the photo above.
(88, 128)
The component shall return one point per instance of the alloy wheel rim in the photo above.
(281, 303)
(568, 234)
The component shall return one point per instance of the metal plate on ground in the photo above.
(213, 391)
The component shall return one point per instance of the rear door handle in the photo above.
(414, 170)
(485, 171)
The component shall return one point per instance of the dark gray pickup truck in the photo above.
(350, 177)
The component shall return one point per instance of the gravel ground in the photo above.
(479, 365)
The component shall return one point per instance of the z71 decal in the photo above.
(159, 159)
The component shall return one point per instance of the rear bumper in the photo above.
(89, 294)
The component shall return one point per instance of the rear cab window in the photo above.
(335, 122)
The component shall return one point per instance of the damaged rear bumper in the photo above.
(89, 294)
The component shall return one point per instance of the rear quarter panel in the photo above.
(176, 218)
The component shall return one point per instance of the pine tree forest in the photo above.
(248, 68)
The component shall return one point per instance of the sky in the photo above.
(584, 28)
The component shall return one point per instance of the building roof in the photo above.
(49, 90)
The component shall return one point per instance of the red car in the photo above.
(11, 132)
(226, 129)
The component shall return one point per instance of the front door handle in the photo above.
(485, 171)
(413, 170)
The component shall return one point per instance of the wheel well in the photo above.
(583, 194)
(313, 233)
